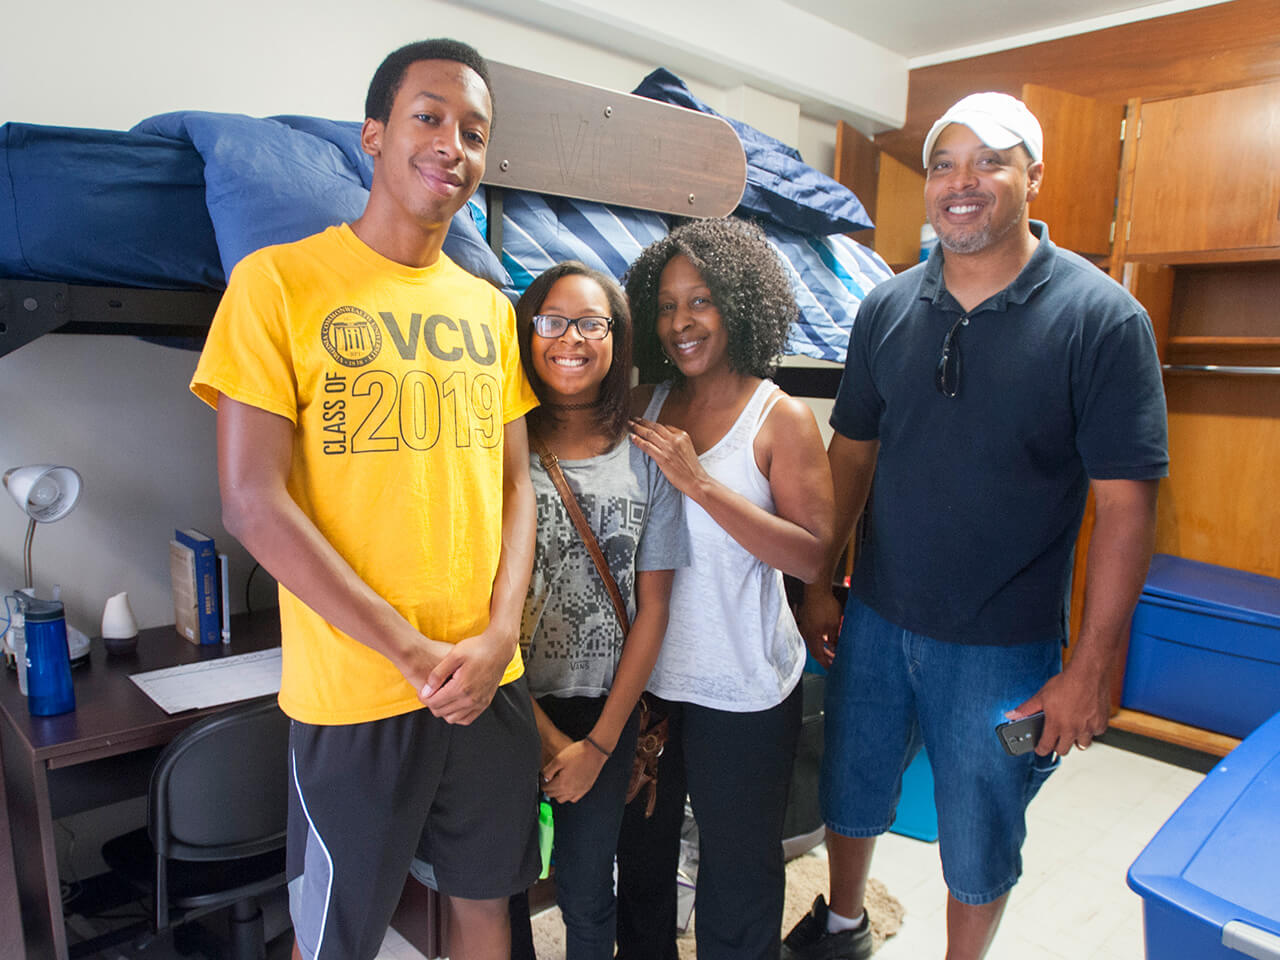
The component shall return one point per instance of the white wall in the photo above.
(770, 45)
(114, 407)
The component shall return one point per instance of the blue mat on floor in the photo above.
(917, 817)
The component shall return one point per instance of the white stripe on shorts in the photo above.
(317, 870)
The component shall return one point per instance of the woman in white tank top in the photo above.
(714, 303)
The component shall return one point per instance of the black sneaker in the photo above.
(809, 939)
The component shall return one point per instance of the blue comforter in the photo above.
(176, 202)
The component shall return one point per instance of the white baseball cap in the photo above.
(999, 120)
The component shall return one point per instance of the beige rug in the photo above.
(806, 878)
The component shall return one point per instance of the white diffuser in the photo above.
(119, 628)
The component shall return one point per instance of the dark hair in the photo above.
(390, 73)
(614, 408)
(748, 284)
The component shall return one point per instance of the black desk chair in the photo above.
(216, 817)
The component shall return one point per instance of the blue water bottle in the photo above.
(49, 689)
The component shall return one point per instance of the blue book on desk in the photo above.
(201, 544)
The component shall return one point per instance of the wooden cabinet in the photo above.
(1199, 226)
(1206, 180)
(1218, 330)
(1198, 243)
(1224, 314)
(891, 192)
(1082, 139)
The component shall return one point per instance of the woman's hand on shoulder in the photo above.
(672, 450)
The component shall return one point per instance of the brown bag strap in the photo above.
(551, 464)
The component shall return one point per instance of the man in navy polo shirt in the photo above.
(986, 392)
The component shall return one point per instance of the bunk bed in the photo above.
(135, 232)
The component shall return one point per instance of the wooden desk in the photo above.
(98, 752)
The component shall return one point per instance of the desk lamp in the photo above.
(45, 493)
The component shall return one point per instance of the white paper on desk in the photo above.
(211, 683)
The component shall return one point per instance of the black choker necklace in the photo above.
(574, 406)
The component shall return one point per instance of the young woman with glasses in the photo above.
(585, 677)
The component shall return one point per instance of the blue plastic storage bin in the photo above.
(1210, 879)
(1204, 647)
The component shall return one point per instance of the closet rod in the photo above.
(1221, 368)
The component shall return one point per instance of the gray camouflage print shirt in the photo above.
(570, 637)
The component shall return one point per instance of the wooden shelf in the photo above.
(1170, 731)
(1175, 258)
(1225, 343)
(1223, 350)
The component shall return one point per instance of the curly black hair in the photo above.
(390, 73)
(748, 284)
(614, 408)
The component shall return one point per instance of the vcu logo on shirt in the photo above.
(351, 336)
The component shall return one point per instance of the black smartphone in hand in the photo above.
(1021, 736)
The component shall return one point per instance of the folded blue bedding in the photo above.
(104, 207)
(781, 188)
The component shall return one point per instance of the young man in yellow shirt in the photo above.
(373, 457)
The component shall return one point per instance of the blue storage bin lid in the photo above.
(1220, 588)
(1215, 859)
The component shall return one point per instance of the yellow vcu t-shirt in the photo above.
(398, 381)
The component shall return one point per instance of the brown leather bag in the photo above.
(649, 745)
(653, 729)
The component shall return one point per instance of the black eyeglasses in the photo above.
(590, 328)
(947, 377)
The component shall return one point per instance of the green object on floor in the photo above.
(546, 837)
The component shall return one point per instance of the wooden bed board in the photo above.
(575, 140)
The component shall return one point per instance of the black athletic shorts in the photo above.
(366, 797)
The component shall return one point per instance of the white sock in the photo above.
(837, 923)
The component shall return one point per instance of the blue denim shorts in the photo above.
(890, 692)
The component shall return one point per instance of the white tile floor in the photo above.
(395, 947)
(1085, 828)
(1088, 824)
